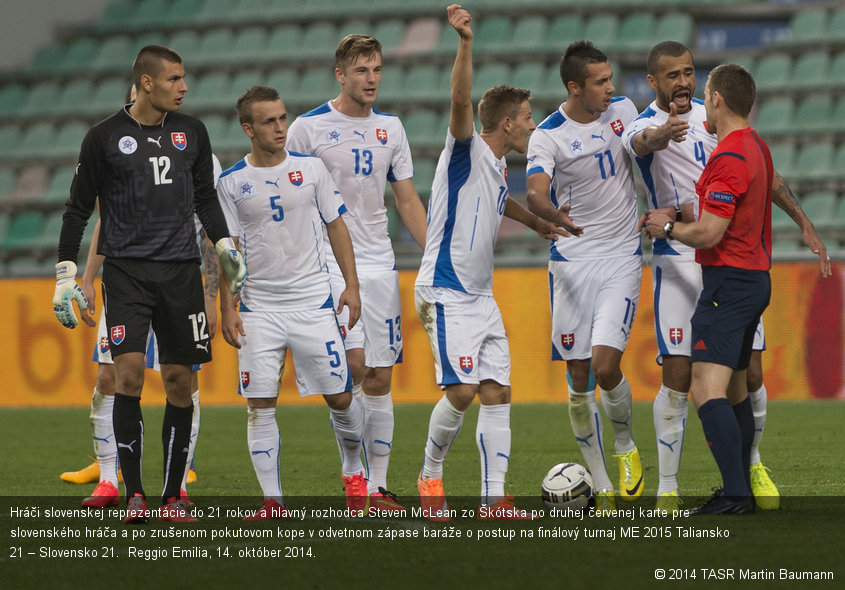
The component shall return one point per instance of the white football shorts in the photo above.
(316, 346)
(379, 330)
(677, 286)
(594, 303)
(467, 336)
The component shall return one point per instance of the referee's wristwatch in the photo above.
(667, 229)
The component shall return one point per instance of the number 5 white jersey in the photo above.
(468, 198)
(670, 174)
(590, 171)
(278, 214)
(362, 154)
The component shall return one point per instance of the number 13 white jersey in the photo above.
(590, 171)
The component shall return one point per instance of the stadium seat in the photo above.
(285, 80)
(390, 33)
(318, 41)
(25, 230)
(212, 11)
(808, 26)
(75, 93)
(837, 71)
(148, 38)
(837, 171)
(564, 30)
(109, 96)
(814, 114)
(491, 33)
(774, 116)
(47, 59)
(421, 128)
(781, 221)
(217, 127)
(772, 71)
(242, 81)
(12, 97)
(247, 43)
(41, 98)
(601, 29)
(150, 14)
(811, 70)
(820, 207)
(783, 157)
(215, 48)
(115, 53)
(10, 136)
(37, 141)
(118, 15)
(67, 141)
(79, 55)
(316, 86)
(488, 76)
(31, 185)
(186, 43)
(636, 33)
(528, 75)
(182, 12)
(49, 236)
(814, 161)
(836, 28)
(424, 173)
(58, 190)
(29, 266)
(422, 83)
(209, 92)
(529, 35)
(676, 26)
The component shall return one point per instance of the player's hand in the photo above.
(548, 230)
(460, 20)
(813, 242)
(567, 223)
(655, 220)
(211, 315)
(351, 299)
(90, 294)
(232, 327)
(66, 292)
(232, 262)
(674, 128)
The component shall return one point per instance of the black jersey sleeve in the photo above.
(84, 189)
(206, 204)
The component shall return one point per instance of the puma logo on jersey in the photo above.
(363, 138)
(601, 136)
(274, 183)
(155, 141)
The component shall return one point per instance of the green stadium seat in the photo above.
(31, 185)
(242, 81)
(316, 86)
(837, 171)
(820, 207)
(814, 161)
(68, 141)
(743, 59)
(528, 75)
(811, 70)
(209, 92)
(676, 26)
(808, 26)
(772, 71)
(319, 40)
(491, 33)
(25, 230)
(783, 157)
(564, 30)
(602, 30)
(424, 173)
(58, 190)
(4, 226)
(837, 70)
(79, 55)
(10, 137)
(217, 127)
(529, 35)
(392, 84)
(37, 141)
(215, 48)
(22, 266)
(488, 76)
(72, 96)
(150, 14)
(774, 116)
(781, 221)
(47, 59)
(144, 39)
(283, 41)
(814, 114)
(423, 82)
(118, 15)
(286, 81)
(636, 33)
(182, 12)
(187, 44)
(836, 27)
(212, 11)
(49, 236)
(116, 53)
(109, 95)
(235, 139)
(12, 97)
(390, 33)
(247, 43)
(41, 98)
(551, 88)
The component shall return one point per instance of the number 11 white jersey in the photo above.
(590, 171)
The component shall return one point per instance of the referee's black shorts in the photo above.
(168, 295)
(725, 319)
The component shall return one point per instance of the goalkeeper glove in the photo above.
(233, 263)
(66, 291)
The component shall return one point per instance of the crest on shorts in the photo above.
(244, 379)
(465, 362)
(676, 335)
(343, 332)
(617, 127)
(179, 139)
(567, 341)
(381, 136)
(104, 345)
(295, 178)
(118, 333)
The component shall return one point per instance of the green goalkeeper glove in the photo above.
(66, 291)
(233, 263)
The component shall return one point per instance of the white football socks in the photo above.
(348, 427)
(264, 442)
(378, 438)
(195, 430)
(102, 431)
(443, 427)
(616, 403)
(587, 428)
(758, 406)
(493, 437)
(670, 412)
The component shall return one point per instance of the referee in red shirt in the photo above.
(733, 238)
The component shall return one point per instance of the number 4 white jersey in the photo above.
(278, 214)
(590, 171)
(362, 154)
(670, 174)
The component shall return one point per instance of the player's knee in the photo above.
(340, 401)
(378, 380)
(105, 379)
(607, 376)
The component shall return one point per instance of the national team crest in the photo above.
(295, 178)
(343, 332)
(127, 145)
(567, 341)
(118, 333)
(676, 335)
(104, 345)
(244, 379)
(381, 136)
(180, 141)
(465, 362)
(575, 146)
(617, 127)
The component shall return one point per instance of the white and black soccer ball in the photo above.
(567, 485)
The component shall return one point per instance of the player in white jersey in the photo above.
(454, 287)
(579, 172)
(364, 149)
(670, 144)
(276, 203)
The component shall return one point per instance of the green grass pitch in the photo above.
(803, 446)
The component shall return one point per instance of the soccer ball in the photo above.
(567, 485)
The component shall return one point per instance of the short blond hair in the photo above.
(353, 46)
(500, 102)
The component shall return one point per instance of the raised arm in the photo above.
(461, 121)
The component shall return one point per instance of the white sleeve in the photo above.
(230, 211)
(298, 138)
(329, 201)
(541, 154)
(402, 166)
